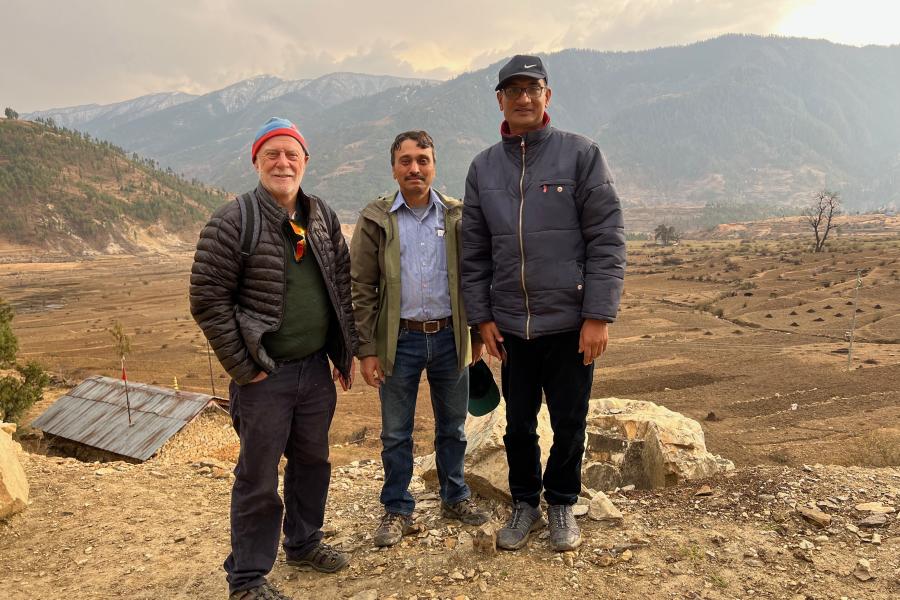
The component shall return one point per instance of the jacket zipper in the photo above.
(522, 243)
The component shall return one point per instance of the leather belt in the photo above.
(426, 326)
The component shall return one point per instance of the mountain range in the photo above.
(738, 123)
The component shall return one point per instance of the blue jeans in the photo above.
(435, 353)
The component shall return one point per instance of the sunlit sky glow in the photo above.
(62, 52)
(853, 22)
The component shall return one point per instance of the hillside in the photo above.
(64, 191)
(747, 126)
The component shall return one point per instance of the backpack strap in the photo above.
(250, 224)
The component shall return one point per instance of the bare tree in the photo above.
(820, 215)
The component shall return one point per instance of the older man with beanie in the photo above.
(275, 310)
(543, 262)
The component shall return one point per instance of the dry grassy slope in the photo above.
(668, 346)
(66, 193)
(781, 395)
(848, 226)
(161, 531)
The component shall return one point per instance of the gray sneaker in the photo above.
(524, 519)
(266, 591)
(564, 531)
(392, 528)
(323, 558)
(466, 511)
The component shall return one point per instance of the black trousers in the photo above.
(289, 414)
(550, 364)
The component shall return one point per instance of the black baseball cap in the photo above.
(483, 393)
(522, 65)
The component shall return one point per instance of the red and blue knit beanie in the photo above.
(276, 126)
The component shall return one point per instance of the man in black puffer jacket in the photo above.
(274, 318)
(543, 261)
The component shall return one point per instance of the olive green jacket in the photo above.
(375, 281)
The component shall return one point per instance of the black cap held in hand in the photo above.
(522, 65)
(483, 393)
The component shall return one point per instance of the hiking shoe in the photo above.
(524, 519)
(322, 558)
(564, 531)
(266, 591)
(466, 511)
(392, 528)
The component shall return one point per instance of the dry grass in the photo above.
(879, 448)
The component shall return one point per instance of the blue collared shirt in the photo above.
(424, 287)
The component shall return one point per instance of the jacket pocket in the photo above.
(556, 186)
(579, 283)
(251, 331)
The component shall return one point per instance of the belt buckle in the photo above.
(427, 329)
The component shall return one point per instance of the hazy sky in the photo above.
(57, 53)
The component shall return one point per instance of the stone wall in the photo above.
(208, 435)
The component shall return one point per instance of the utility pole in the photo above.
(853, 319)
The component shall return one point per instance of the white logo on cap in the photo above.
(530, 66)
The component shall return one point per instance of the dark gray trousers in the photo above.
(551, 365)
(289, 414)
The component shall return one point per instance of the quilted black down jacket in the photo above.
(234, 308)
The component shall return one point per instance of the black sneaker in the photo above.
(322, 558)
(524, 519)
(266, 591)
(564, 531)
(466, 511)
(392, 528)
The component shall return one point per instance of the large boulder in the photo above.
(486, 471)
(629, 442)
(13, 485)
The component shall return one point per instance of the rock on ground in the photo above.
(629, 442)
(13, 484)
(486, 470)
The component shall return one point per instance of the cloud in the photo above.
(59, 52)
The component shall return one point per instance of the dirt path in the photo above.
(161, 531)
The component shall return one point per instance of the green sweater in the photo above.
(307, 308)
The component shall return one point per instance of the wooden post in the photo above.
(212, 382)
(127, 399)
(853, 320)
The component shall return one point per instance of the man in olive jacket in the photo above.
(408, 308)
(273, 318)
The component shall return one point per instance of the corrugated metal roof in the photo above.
(94, 413)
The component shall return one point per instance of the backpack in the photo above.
(250, 224)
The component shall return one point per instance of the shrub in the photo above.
(18, 391)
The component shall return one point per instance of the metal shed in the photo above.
(93, 413)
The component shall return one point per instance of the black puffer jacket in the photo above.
(543, 236)
(234, 310)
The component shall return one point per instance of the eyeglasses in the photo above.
(292, 155)
(534, 92)
(300, 235)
